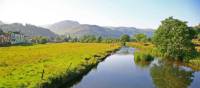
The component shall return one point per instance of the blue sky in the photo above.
(136, 13)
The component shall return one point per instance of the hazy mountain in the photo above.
(76, 29)
(92, 30)
(63, 26)
(132, 30)
(1, 23)
(27, 30)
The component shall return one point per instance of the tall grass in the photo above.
(23, 66)
(145, 47)
(141, 56)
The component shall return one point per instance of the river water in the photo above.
(120, 71)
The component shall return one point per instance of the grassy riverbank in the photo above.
(146, 47)
(46, 64)
(150, 49)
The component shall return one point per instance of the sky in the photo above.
(131, 13)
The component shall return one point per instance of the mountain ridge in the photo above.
(74, 28)
(27, 29)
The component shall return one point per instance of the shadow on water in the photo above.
(120, 70)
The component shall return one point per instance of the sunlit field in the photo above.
(30, 66)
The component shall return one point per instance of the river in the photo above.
(120, 71)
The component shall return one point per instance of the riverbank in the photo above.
(49, 65)
(145, 47)
(121, 70)
(150, 49)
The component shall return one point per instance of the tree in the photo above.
(43, 40)
(197, 31)
(140, 37)
(125, 38)
(99, 39)
(39, 39)
(75, 39)
(88, 38)
(173, 39)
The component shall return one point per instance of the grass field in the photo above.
(22, 66)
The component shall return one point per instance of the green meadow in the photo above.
(42, 64)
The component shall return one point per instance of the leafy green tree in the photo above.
(99, 39)
(173, 39)
(125, 38)
(140, 37)
(43, 40)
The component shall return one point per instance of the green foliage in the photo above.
(110, 40)
(197, 31)
(88, 38)
(124, 38)
(39, 40)
(142, 57)
(43, 40)
(198, 36)
(145, 47)
(99, 39)
(140, 38)
(173, 39)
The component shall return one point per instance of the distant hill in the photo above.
(27, 30)
(132, 30)
(63, 26)
(1, 23)
(76, 29)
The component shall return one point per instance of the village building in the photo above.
(17, 38)
(5, 39)
(13, 38)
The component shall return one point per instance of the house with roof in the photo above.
(17, 38)
(13, 38)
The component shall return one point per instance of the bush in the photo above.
(144, 57)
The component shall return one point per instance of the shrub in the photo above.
(140, 56)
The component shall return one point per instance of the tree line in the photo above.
(100, 39)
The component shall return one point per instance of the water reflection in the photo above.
(125, 51)
(120, 70)
(143, 64)
(167, 75)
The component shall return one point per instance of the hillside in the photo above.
(27, 30)
(76, 29)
